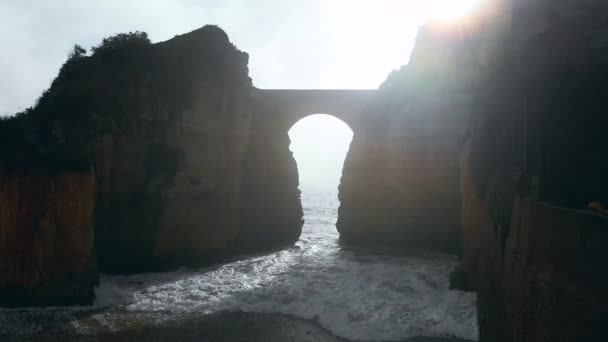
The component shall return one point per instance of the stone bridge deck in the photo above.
(295, 104)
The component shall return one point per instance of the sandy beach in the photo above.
(221, 327)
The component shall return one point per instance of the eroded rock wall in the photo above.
(529, 86)
(170, 166)
(271, 214)
(530, 167)
(47, 254)
(187, 168)
(554, 259)
(204, 178)
(543, 280)
(400, 182)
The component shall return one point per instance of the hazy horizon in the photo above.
(320, 160)
(316, 44)
(302, 44)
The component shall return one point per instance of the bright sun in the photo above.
(388, 29)
(450, 9)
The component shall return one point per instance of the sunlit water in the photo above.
(359, 295)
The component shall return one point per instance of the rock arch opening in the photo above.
(319, 143)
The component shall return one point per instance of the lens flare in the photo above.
(451, 9)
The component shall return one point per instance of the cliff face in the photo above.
(400, 181)
(195, 175)
(530, 167)
(522, 99)
(170, 168)
(47, 253)
(534, 280)
(271, 214)
(187, 168)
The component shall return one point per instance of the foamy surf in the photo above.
(356, 295)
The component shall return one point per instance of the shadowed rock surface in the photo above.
(190, 163)
(46, 238)
(180, 164)
(169, 171)
(531, 163)
(530, 166)
(491, 141)
(400, 177)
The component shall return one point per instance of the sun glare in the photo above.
(388, 28)
(320, 143)
(451, 9)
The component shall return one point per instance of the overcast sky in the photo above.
(292, 43)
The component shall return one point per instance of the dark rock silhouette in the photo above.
(169, 172)
(490, 142)
(169, 130)
(400, 179)
(46, 238)
(191, 163)
(530, 166)
(532, 79)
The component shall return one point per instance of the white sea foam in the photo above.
(356, 295)
(359, 295)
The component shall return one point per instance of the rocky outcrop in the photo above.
(176, 171)
(494, 136)
(534, 281)
(216, 181)
(530, 167)
(529, 87)
(271, 214)
(186, 169)
(47, 254)
(400, 181)
(170, 168)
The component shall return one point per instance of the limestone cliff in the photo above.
(204, 177)
(195, 176)
(169, 170)
(400, 178)
(186, 170)
(522, 99)
(531, 165)
(46, 238)
(272, 215)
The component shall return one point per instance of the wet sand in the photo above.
(244, 327)
(222, 327)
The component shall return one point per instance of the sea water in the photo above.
(358, 294)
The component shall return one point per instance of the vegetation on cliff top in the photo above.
(104, 92)
(56, 133)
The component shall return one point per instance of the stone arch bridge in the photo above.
(291, 105)
(190, 164)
